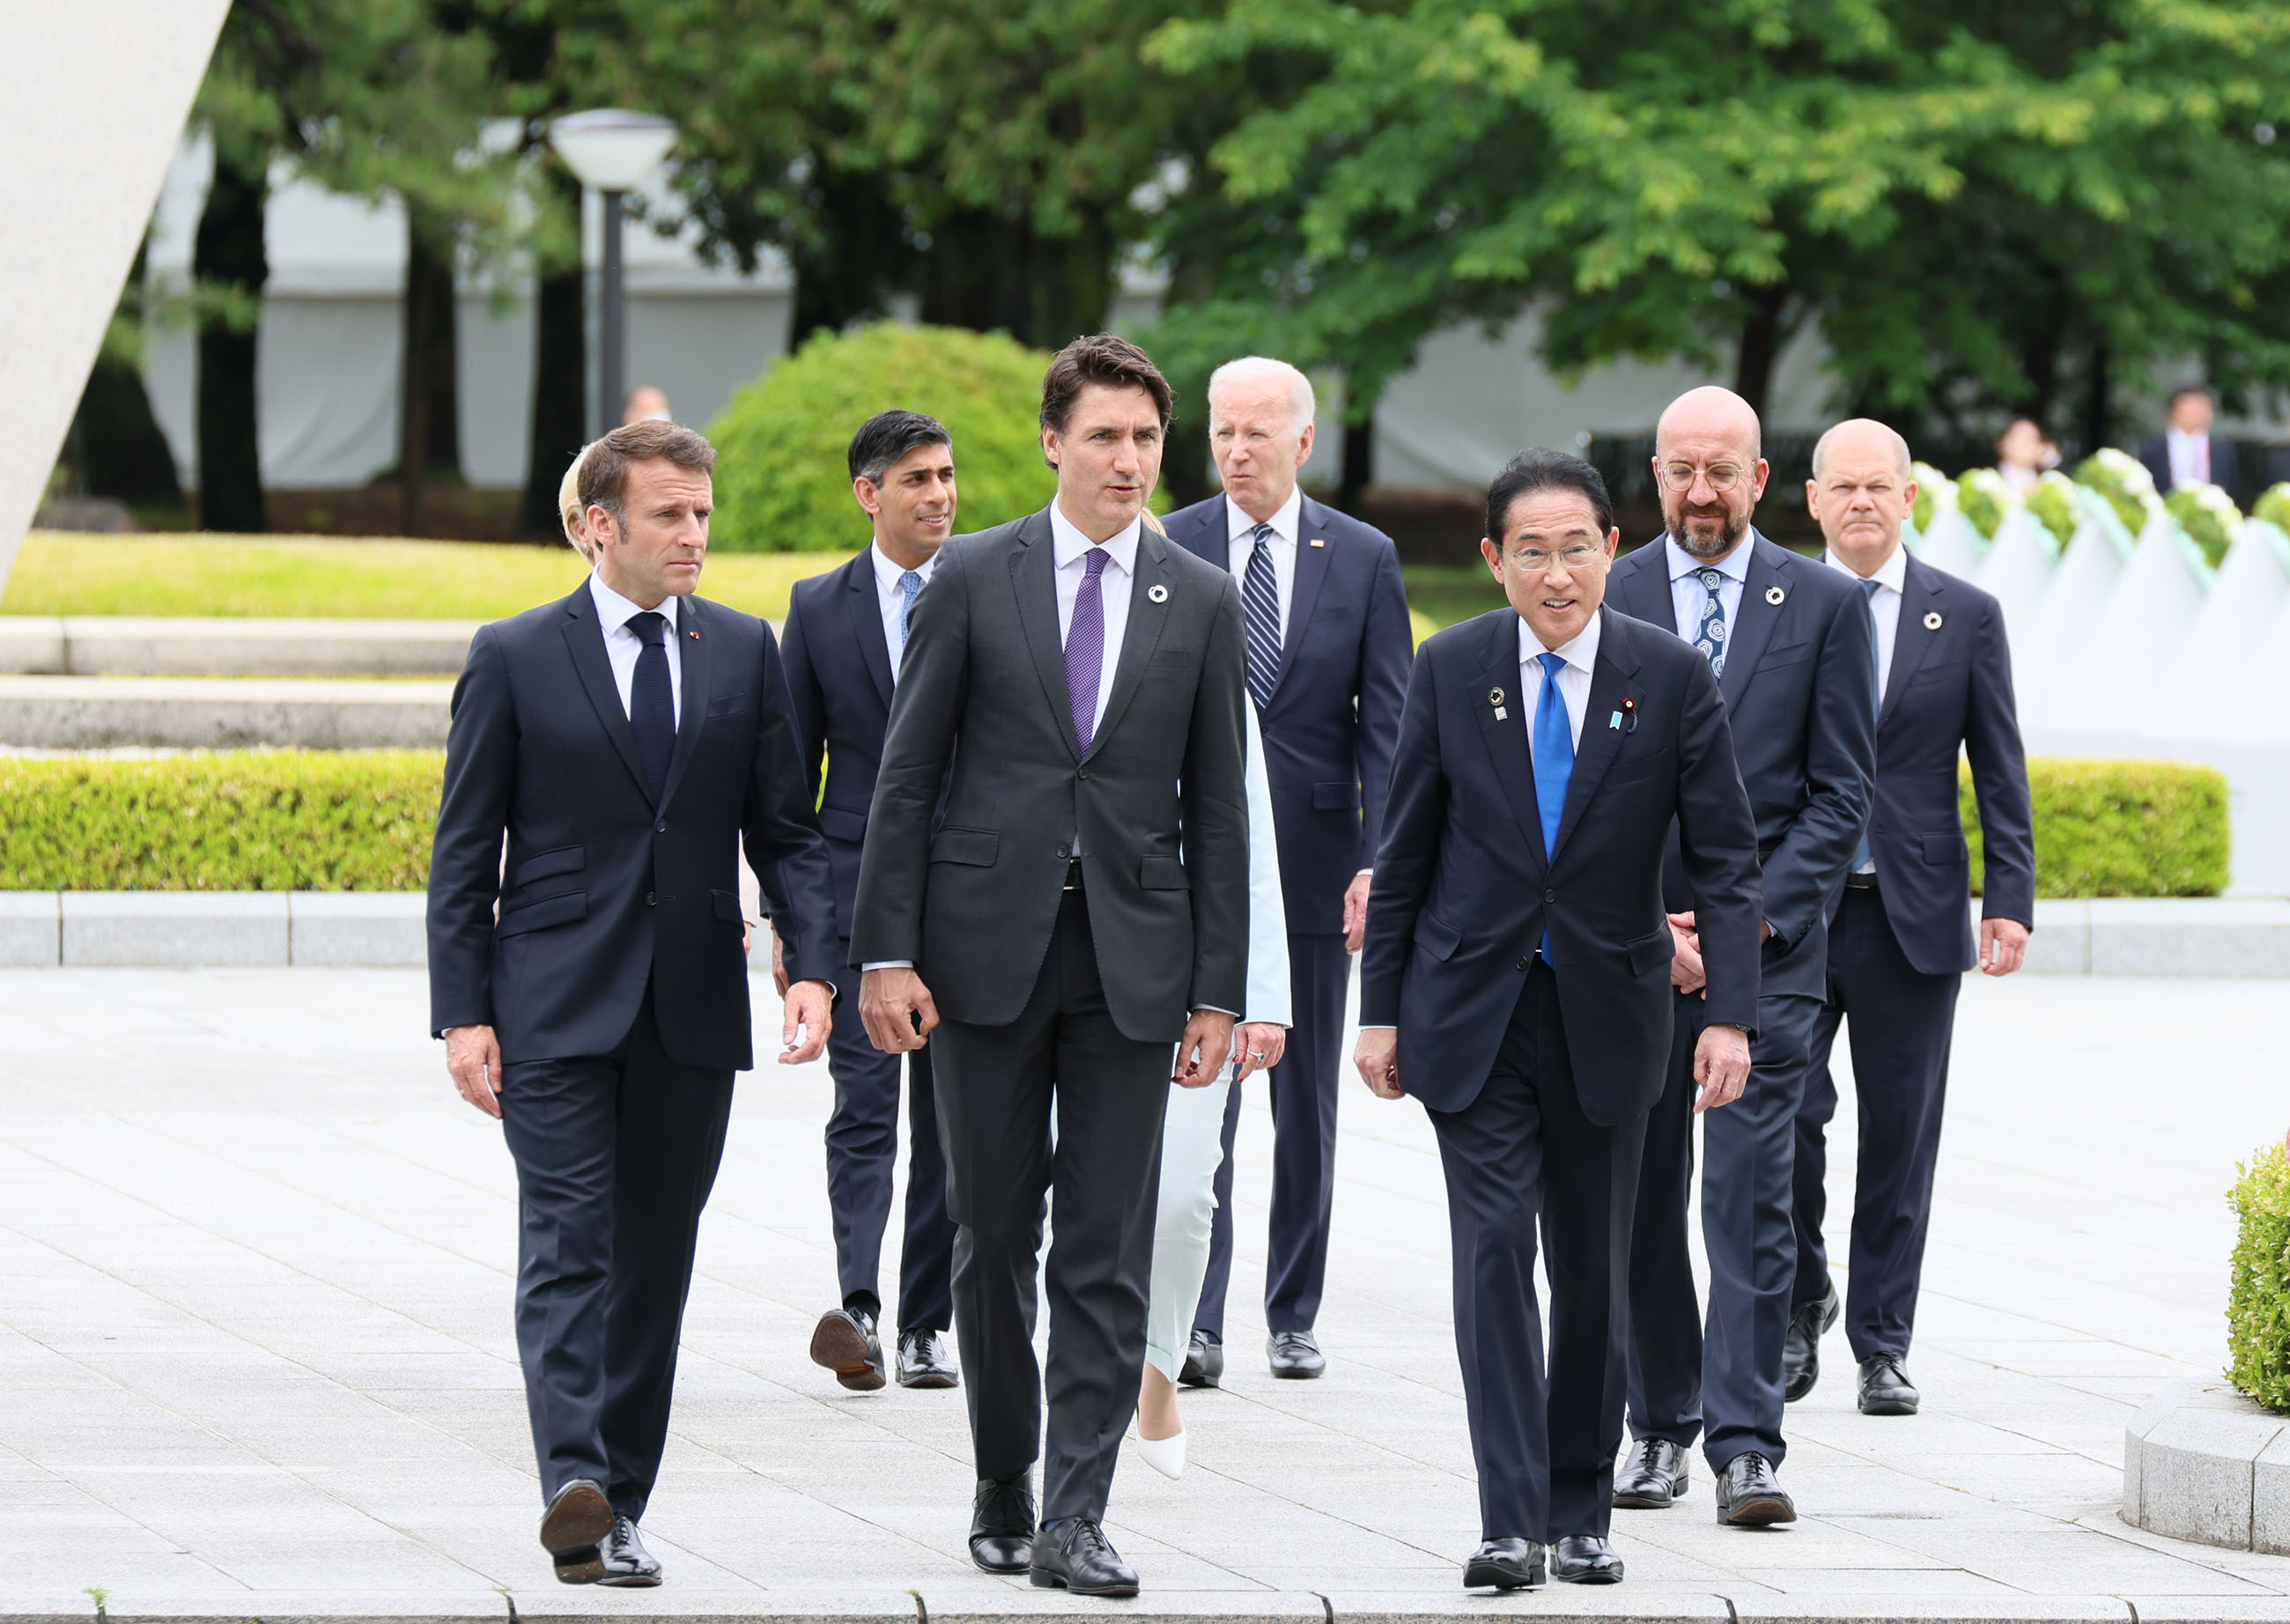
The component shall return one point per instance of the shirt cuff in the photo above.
(1371, 1027)
(888, 963)
(1216, 1009)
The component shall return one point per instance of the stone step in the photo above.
(119, 646)
(105, 713)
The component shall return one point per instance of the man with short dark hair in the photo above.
(846, 636)
(2184, 453)
(1515, 980)
(592, 992)
(1328, 650)
(1079, 904)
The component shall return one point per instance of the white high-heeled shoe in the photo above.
(1165, 1456)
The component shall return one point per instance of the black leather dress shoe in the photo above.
(1652, 1474)
(1748, 1496)
(1204, 1365)
(1809, 1322)
(1886, 1388)
(1072, 1554)
(1506, 1564)
(577, 1521)
(1294, 1355)
(1002, 1525)
(845, 1342)
(1585, 1559)
(628, 1565)
(924, 1361)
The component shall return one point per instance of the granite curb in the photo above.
(2203, 1461)
(191, 713)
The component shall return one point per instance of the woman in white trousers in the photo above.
(1192, 1139)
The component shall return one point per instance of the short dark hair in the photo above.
(886, 438)
(605, 465)
(2185, 389)
(1536, 470)
(1100, 358)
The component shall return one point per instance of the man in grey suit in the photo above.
(1082, 679)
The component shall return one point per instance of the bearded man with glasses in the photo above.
(1792, 646)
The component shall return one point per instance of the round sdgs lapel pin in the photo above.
(1495, 699)
(1773, 595)
(1158, 593)
(1932, 620)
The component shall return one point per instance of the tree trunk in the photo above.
(560, 385)
(985, 272)
(2098, 412)
(1359, 461)
(861, 257)
(118, 449)
(1762, 338)
(228, 253)
(429, 420)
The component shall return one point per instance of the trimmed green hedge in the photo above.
(2258, 1294)
(261, 821)
(2119, 828)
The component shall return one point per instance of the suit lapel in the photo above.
(866, 611)
(1755, 619)
(1610, 686)
(1033, 577)
(1311, 574)
(584, 638)
(1641, 589)
(693, 643)
(1142, 631)
(1911, 642)
(1201, 537)
(1506, 734)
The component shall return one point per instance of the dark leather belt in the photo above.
(1073, 875)
(1860, 881)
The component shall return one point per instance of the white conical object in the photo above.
(2227, 646)
(1951, 544)
(2045, 663)
(2018, 569)
(2130, 653)
(1165, 1456)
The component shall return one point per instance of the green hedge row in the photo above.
(2119, 828)
(361, 820)
(260, 821)
(2258, 1294)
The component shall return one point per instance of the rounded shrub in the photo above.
(2258, 1298)
(782, 480)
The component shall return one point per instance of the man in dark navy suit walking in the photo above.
(846, 635)
(1900, 934)
(1328, 653)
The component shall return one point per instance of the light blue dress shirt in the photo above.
(1687, 595)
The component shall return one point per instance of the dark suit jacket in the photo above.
(1800, 687)
(838, 672)
(2155, 452)
(606, 891)
(1463, 889)
(1159, 797)
(1951, 685)
(1334, 715)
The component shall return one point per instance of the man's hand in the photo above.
(1721, 1065)
(1355, 913)
(810, 1005)
(1685, 971)
(2003, 946)
(473, 1061)
(1257, 1046)
(778, 962)
(1208, 1041)
(1378, 1060)
(890, 1003)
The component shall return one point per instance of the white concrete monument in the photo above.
(95, 107)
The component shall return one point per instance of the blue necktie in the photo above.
(1709, 631)
(1554, 760)
(910, 584)
(1860, 851)
(1260, 603)
(652, 700)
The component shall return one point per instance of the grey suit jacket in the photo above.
(1159, 798)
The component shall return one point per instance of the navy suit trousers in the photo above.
(1521, 1155)
(863, 1148)
(1303, 1087)
(615, 1155)
(1901, 1022)
(1721, 1378)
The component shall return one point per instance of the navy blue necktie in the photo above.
(652, 704)
(1861, 853)
(1260, 605)
(1554, 760)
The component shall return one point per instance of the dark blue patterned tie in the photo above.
(1709, 632)
(651, 705)
(1260, 603)
(1554, 760)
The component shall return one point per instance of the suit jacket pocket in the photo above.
(1647, 952)
(726, 905)
(727, 704)
(837, 824)
(1948, 851)
(1436, 936)
(1336, 798)
(978, 847)
(1784, 654)
(1162, 874)
(540, 865)
(560, 909)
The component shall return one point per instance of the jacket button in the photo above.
(1522, 963)
(661, 827)
(1063, 852)
(1551, 896)
(649, 898)
(1081, 772)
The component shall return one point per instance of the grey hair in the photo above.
(1300, 401)
(1900, 444)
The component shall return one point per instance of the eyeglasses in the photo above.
(1723, 477)
(1581, 556)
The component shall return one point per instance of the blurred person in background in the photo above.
(2184, 453)
(647, 402)
(2024, 454)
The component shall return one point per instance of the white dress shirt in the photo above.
(1070, 548)
(1688, 596)
(1892, 578)
(1573, 677)
(2190, 458)
(622, 645)
(1242, 546)
(893, 601)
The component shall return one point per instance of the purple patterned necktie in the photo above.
(1085, 648)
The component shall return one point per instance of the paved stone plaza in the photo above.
(255, 1268)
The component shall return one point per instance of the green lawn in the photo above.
(1448, 594)
(330, 577)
